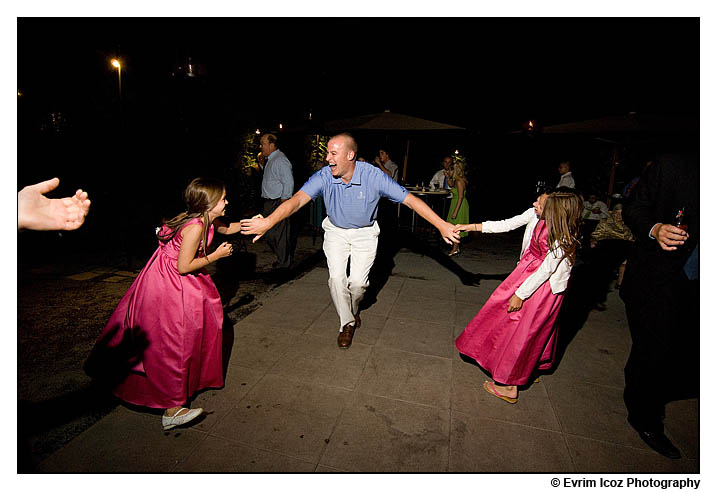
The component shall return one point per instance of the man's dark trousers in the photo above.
(278, 236)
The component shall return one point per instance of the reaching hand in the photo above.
(669, 236)
(256, 225)
(468, 227)
(515, 303)
(37, 212)
(449, 233)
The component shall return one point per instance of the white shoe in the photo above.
(172, 422)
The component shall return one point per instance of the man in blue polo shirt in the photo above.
(351, 191)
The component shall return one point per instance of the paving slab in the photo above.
(124, 441)
(376, 434)
(287, 417)
(407, 376)
(482, 445)
(318, 360)
(593, 456)
(218, 455)
(412, 335)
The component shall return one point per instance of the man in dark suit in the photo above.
(660, 290)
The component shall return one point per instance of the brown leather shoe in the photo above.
(344, 340)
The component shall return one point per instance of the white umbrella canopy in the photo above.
(389, 122)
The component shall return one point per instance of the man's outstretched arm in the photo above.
(259, 225)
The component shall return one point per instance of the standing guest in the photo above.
(459, 207)
(389, 167)
(661, 292)
(594, 210)
(163, 342)
(440, 180)
(277, 187)
(351, 191)
(612, 242)
(564, 169)
(37, 212)
(514, 334)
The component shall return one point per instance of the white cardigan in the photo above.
(553, 268)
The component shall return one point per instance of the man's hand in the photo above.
(669, 237)
(449, 233)
(37, 212)
(515, 303)
(256, 225)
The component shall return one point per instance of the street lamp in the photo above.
(116, 63)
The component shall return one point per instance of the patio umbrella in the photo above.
(618, 127)
(389, 122)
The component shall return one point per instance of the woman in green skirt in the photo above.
(459, 208)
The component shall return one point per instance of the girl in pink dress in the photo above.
(164, 340)
(514, 333)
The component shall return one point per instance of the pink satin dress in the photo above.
(164, 340)
(511, 346)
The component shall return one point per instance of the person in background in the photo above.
(163, 342)
(610, 245)
(389, 167)
(515, 332)
(564, 169)
(351, 191)
(277, 187)
(440, 180)
(594, 210)
(459, 207)
(662, 295)
(37, 212)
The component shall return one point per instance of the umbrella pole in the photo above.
(406, 159)
(612, 177)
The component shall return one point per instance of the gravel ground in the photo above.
(64, 301)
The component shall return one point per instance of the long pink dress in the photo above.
(512, 345)
(164, 340)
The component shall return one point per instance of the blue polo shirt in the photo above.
(354, 205)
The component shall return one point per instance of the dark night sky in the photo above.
(487, 74)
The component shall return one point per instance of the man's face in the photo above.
(266, 147)
(539, 203)
(592, 199)
(383, 156)
(563, 168)
(340, 159)
(446, 163)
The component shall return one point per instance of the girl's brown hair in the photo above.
(562, 213)
(200, 196)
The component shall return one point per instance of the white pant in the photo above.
(339, 245)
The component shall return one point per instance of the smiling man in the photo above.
(351, 191)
